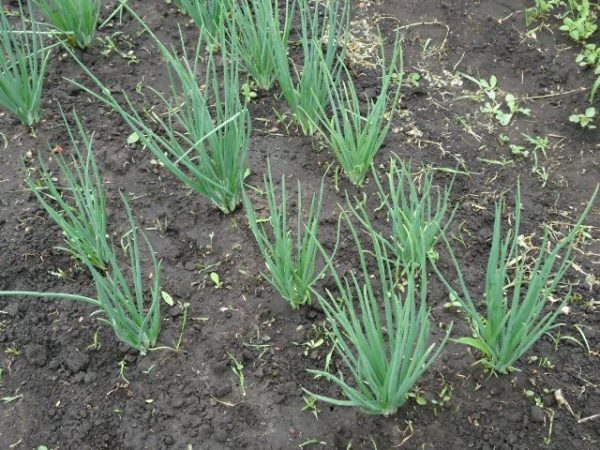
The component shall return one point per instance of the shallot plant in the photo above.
(307, 90)
(203, 136)
(516, 302)
(75, 19)
(78, 206)
(23, 61)
(354, 136)
(135, 321)
(381, 329)
(416, 211)
(290, 258)
(210, 16)
(256, 36)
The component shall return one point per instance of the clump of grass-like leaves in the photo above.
(203, 137)
(307, 91)
(210, 17)
(290, 260)
(381, 333)
(76, 19)
(256, 36)
(516, 293)
(23, 61)
(353, 136)
(79, 208)
(121, 303)
(416, 213)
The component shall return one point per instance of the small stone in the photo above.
(77, 361)
(36, 355)
(190, 265)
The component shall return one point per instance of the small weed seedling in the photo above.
(485, 87)
(511, 324)
(214, 277)
(23, 61)
(492, 106)
(310, 404)
(585, 120)
(75, 19)
(541, 8)
(539, 144)
(238, 369)
(290, 260)
(580, 24)
(589, 56)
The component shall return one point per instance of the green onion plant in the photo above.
(516, 293)
(417, 212)
(76, 19)
(256, 34)
(290, 260)
(204, 135)
(79, 208)
(23, 61)
(307, 91)
(122, 304)
(381, 329)
(210, 16)
(353, 136)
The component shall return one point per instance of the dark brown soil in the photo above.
(71, 396)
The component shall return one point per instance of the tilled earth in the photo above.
(66, 381)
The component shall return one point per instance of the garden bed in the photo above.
(67, 382)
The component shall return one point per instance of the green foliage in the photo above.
(290, 260)
(596, 85)
(417, 215)
(308, 92)
(585, 120)
(205, 136)
(356, 137)
(580, 24)
(23, 60)
(541, 8)
(209, 15)
(492, 106)
(511, 324)
(256, 35)
(76, 19)
(79, 208)
(122, 305)
(384, 348)
(589, 56)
